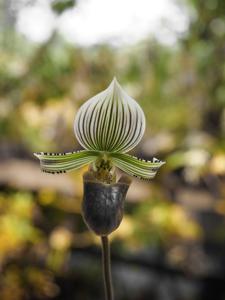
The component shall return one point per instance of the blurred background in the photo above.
(170, 56)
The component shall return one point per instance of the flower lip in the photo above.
(111, 121)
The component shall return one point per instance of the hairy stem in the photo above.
(106, 265)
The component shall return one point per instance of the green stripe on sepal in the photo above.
(111, 121)
(63, 162)
(136, 167)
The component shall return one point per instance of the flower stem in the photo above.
(106, 267)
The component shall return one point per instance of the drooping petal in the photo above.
(136, 167)
(63, 162)
(110, 121)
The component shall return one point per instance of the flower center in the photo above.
(103, 169)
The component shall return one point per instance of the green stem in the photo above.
(106, 265)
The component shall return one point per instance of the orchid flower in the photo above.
(107, 126)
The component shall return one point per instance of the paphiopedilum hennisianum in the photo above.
(107, 126)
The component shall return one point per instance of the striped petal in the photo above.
(63, 162)
(136, 167)
(110, 121)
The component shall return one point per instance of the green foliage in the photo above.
(59, 6)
